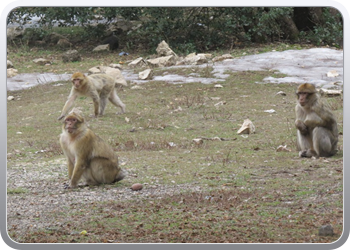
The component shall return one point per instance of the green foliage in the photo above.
(186, 29)
(329, 32)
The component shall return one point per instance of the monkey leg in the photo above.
(304, 145)
(102, 170)
(324, 142)
(103, 103)
(114, 98)
(78, 171)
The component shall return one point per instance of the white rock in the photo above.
(270, 111)
(221, 58)
(104, 47)
(247, 127)
(139, 62)
(10, 98)
(332, 73)
(163, 49)
(11, 72)
(163, 61)
(41, 61)
(146, 74)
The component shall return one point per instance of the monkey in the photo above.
(87, 154)
(317, 130)
(99, 87)
(112, 41)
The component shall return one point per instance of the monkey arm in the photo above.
(69, 104)
(300, 125)
(79, 168)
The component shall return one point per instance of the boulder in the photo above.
(71, 56)
(104, 47)
(139, 62)
(221, 58)
(193, 59)
(11, 72)
(247, 127)
(64, 43)
(163, 49)
(163, 61)
(146, 74)
(41, 61)
(9, 64)
(14, 32)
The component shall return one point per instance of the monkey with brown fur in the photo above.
(317, 133)
(99, 87)
(87, 154)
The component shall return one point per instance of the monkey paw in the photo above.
(60, 118)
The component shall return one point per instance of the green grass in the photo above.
(249, 192)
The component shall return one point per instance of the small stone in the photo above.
(326, 230)
(136, 187)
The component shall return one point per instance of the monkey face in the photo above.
(78, 80)
(303, 98)
(70, 124)
(77, 83)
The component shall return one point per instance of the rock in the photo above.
(198, 141)
(10, 98)
(146, 74)
(54, 38)
(281, 93)
(208, 56)
(104, 47)
(71, 56)
(14, 32)
(164, 61)
(218, 86)
(64, 43)
(136, 187)
(11, 72)
(326, 230)
(139, 62)
(221, 58)
(332, 73)
(330, 92)
(94, 70)
(270, 111)
(163, 49)
(247, 127)
(9, 64)
(283, 148)
(41, 61)
(193, 59)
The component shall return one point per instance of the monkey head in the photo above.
(78, 80)
(305, 93)
(306, 88)
(72, 120)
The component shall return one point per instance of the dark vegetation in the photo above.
(188, 29)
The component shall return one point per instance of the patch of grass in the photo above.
(17, 191)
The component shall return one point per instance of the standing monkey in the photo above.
(317, 133)
(87, 154)
(99, 87)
